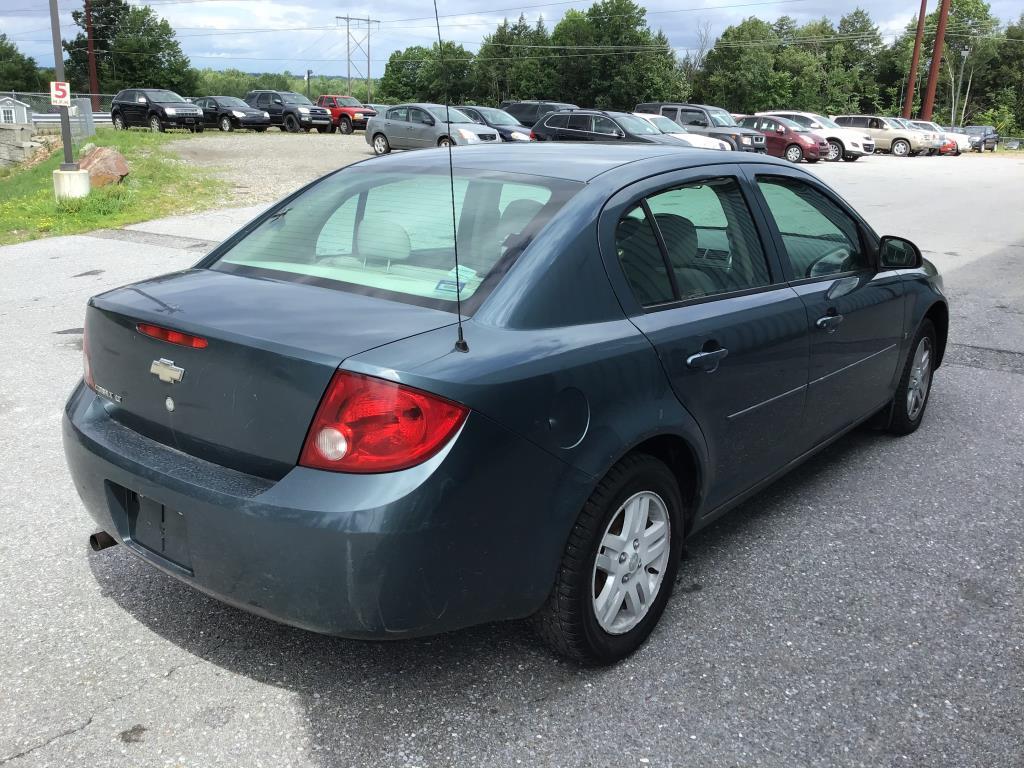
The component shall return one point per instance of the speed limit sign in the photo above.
(60, 94)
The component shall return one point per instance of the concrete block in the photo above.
(70, 184)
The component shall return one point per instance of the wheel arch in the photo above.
(938, 313)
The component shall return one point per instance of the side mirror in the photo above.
(278, 101)
(619, 133)
(815, 125)
(780, 129)
(142, 100)
(898, 253)
(428, 120)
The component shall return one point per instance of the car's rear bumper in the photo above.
(473, 535)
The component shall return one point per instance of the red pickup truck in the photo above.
(346, 112)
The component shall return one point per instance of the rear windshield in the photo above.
(389, 233)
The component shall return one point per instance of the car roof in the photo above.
(573, 162)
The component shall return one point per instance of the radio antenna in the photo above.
(460, 342)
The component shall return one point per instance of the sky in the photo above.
(305, 34)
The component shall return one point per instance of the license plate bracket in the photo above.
(159, 529)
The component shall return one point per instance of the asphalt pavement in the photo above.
(866, 610)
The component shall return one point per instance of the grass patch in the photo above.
(159, 185)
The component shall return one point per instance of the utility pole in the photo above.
(69, 163)
(908, 99)
(357, 41)
(309, 77)
(933, 73)
(94, 82)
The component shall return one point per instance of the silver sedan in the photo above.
(416, 126)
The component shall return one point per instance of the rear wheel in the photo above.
(380, 144)
(915, 385)
(619, 565)
(290, 124)
(155, 125)
(794, 154)
(835, 150)
(345, 125)
(901, 148)
(225, 124)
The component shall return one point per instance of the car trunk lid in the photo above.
(246, 399)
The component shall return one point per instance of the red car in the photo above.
(347, 112)
(784, 138)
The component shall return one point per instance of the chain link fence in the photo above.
(87, 110)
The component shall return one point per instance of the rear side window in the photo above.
(557, 121)
(708, 244)
(390, 233)
(820, 238)
(580, 122)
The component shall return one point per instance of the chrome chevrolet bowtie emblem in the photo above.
(167, 371)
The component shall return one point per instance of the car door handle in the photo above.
(707, 361)
(829, 323)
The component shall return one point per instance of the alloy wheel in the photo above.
(225, 123)
(900, 148)
(835, 150)
(154, 124)
(920, 379)
(346, 127)
(380, 144)
(444, 142)
(794, 154)
(118, 123)
(631, 562)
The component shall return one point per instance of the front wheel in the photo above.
(118, 122)
(290, 124)
(619, 565)
(225, 124)
(380, 144)
(835, 150)
(901, 148)
(445, 141)
(915, 385)
(794, 154)
(155, 125)
(345, 126)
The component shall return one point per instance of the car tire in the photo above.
(445, 141)
(345, 126)
(851, 158)
(118, 122)
(901, 148)
(290, 124)
(334, 128)
(794, 154)
(836, 150)
(569, 622)
(198, 128)
(225, 124)
(155, 125)
(380, 144)
(911, 399)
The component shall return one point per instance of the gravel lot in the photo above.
(263, 167)
(867, 610)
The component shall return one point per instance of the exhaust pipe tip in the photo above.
(101, 540)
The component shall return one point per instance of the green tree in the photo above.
(18, 72)
(514, 62)
(1002, 82)
(740, 71)
(134, 48)
(401, 74)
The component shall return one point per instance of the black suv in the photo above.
(599, 125)
(155, 108)
(290, 111)
(529, 112)
(707, 121)
(982, 137)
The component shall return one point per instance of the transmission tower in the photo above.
(357, 44)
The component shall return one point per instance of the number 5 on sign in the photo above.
(60, 94)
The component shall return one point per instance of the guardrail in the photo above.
(98, 117)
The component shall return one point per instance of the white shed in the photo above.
(14, 111)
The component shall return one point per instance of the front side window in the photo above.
(383, 234)
(263, 100)
(419, 116)
(605, 126)
(692, 117)
(710, 244)
(820, 238)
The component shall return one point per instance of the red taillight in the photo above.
(533, 136)
(90, 382)
(174, 337)
(365, 424)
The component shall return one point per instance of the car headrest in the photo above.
(517, 215)
(383, 240)
(680, 238)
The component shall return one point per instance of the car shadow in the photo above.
(362, 698)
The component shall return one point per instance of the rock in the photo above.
(105, 166)
(86, 149)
